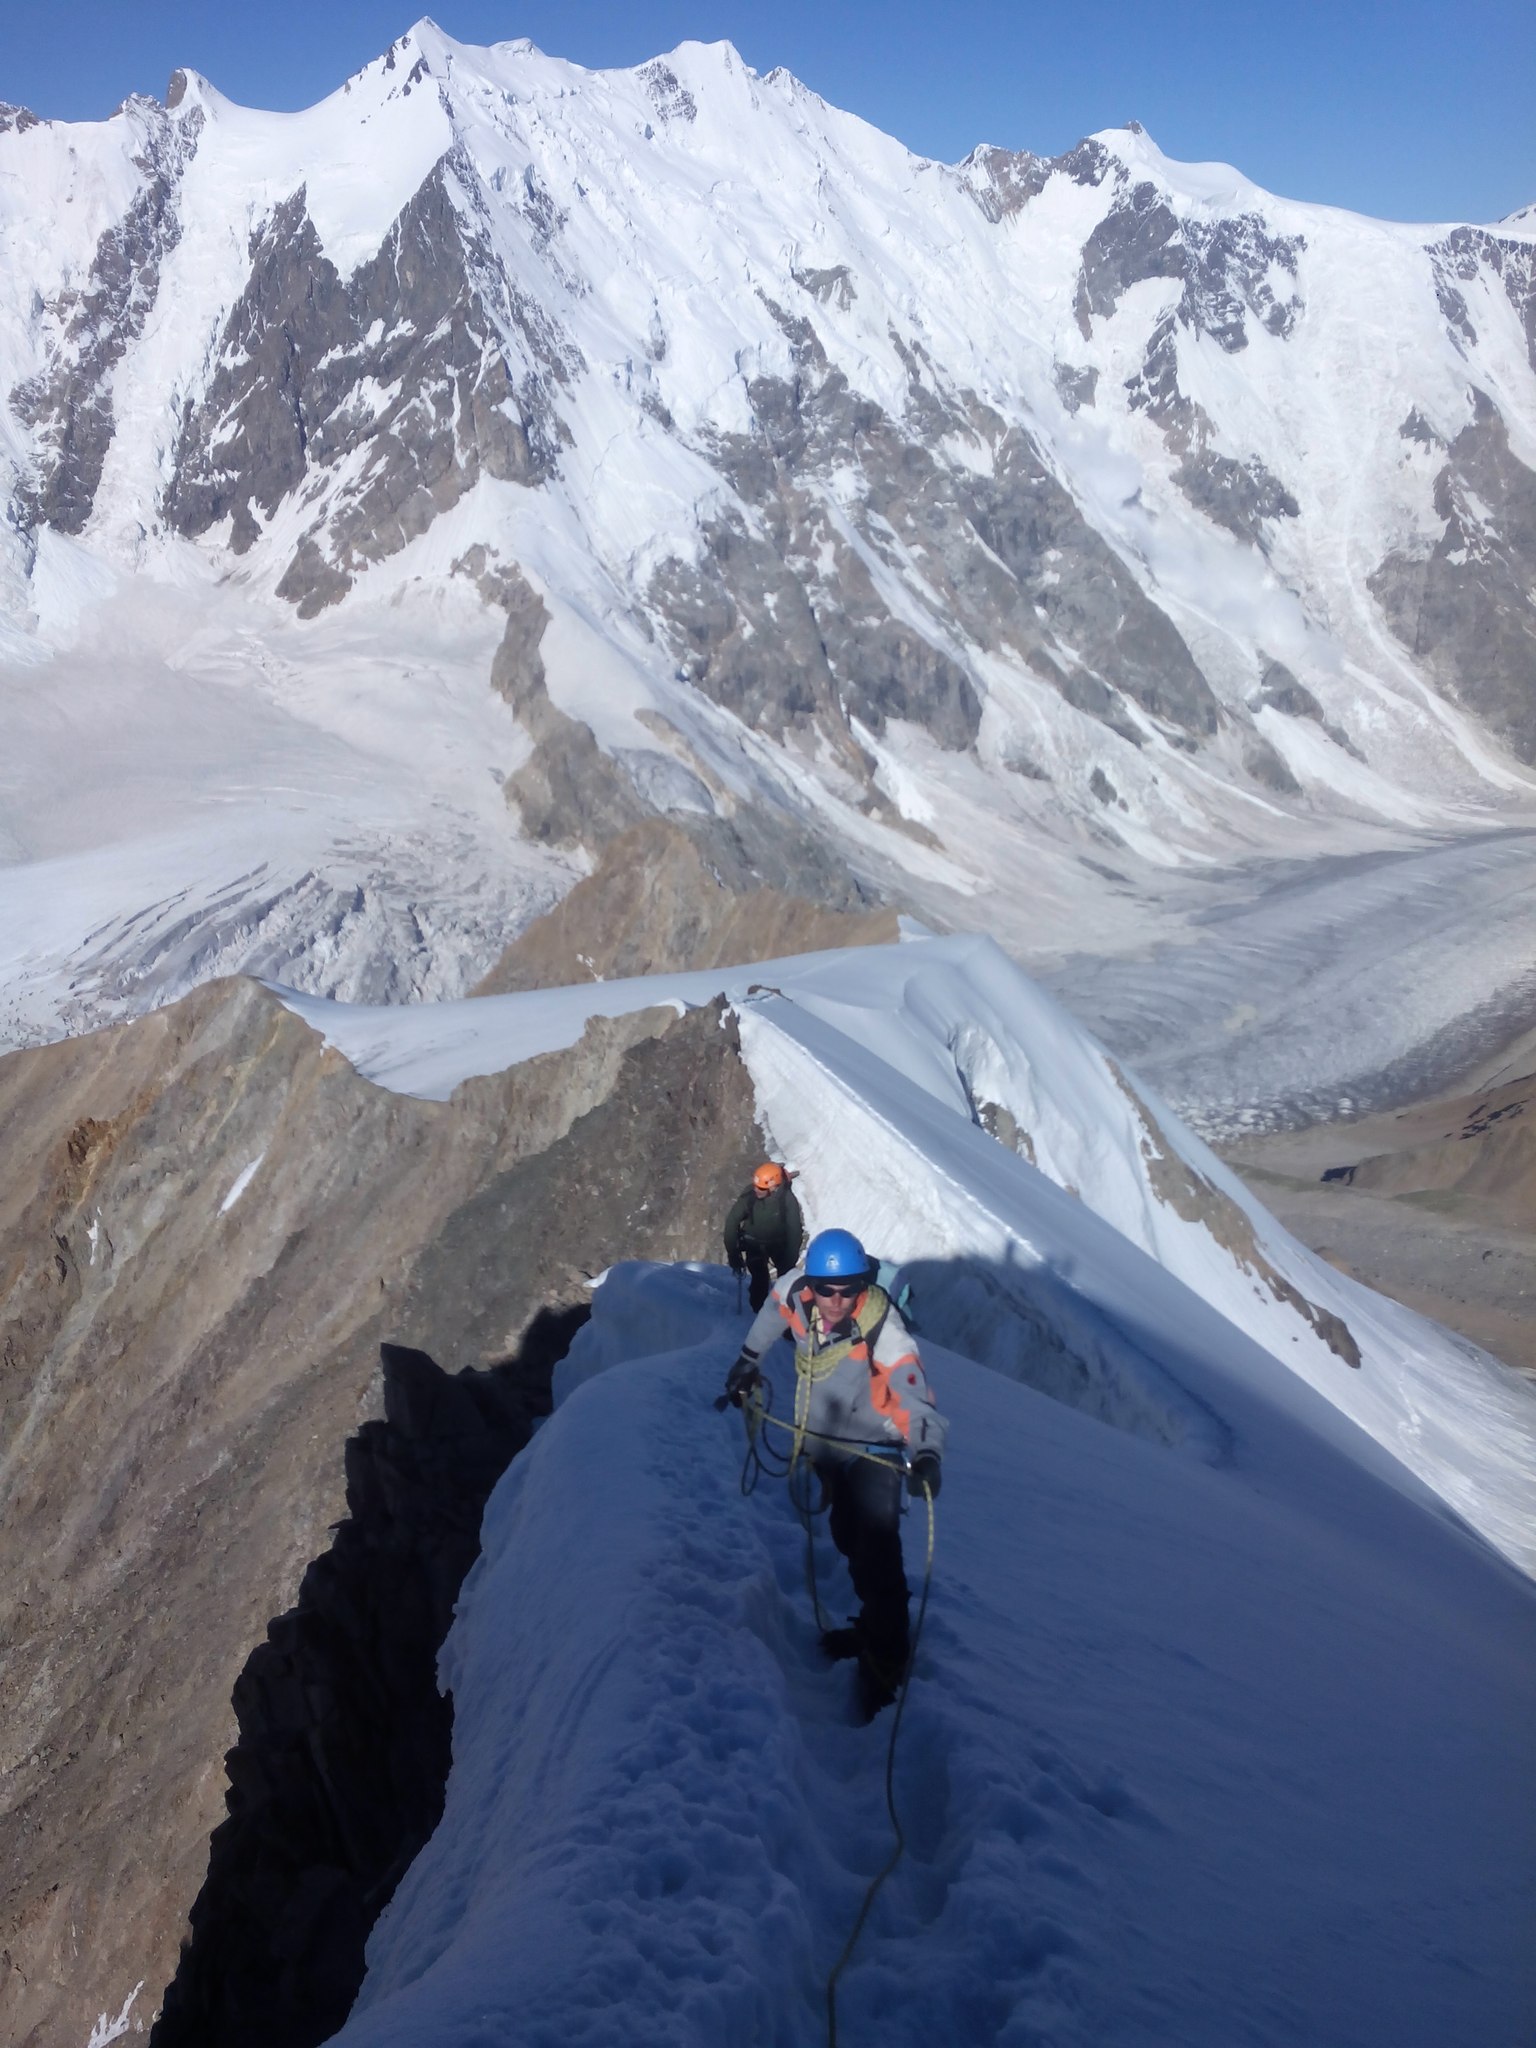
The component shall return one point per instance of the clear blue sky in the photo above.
(1419, 110)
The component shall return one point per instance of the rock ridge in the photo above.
(211, 1223)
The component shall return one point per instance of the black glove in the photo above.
(925, 1472)
(741, 1379)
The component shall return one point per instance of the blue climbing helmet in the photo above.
(836, 1255)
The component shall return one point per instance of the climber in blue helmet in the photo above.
(865, 1419)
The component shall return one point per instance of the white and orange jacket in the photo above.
(865, 1388)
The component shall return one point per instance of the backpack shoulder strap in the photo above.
(871, 1336)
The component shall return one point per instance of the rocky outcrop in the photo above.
(1003, 181)
(1239, 493)
(1107, 640)
(568, 792)
(1280, 690)
(1228, 267)
(1198, 1200)
(1466, 254)
(1467, 610)
(783, 622)
(571, 793)
(398, 387)
(1233, 271)
(659, 903)
(210, 1225)
(68, 404)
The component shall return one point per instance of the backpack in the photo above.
(887, 1276)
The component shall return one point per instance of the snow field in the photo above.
(1183, 1759)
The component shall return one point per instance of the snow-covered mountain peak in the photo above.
(1156, 521)
(1214, 187)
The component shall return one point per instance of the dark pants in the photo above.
(758, 1274)
(866, 1527)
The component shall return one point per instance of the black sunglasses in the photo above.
(847, 1288)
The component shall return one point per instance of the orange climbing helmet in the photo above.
(769, 1176)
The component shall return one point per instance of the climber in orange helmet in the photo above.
(764, 1228)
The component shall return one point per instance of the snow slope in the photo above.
(874, 1070)
(1195, 1753)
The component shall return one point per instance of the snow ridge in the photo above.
(1112, 1269)
(1154, 1748)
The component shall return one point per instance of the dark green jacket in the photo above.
(769, 1225)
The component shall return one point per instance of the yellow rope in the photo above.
(800, 1432)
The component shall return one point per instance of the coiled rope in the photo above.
(755, 1412)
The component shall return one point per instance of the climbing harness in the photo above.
(756, 1412)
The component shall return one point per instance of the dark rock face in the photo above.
(1086, 164)
(1239, 495)
(1138, 238)
(783, 622)
(1078, 387)
(670, 98)
(757, 849)
(1264, 764)
(1462, 256)
(1232, 264)
(1468, 610)
(569, 792)
(69, 404)
(337, 1778)
(1003, 181)
(833, 287)
(1280, 691)
(248, 443)
(1060, 564)
(1227, 269)
(16, 120)
(465, 369)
